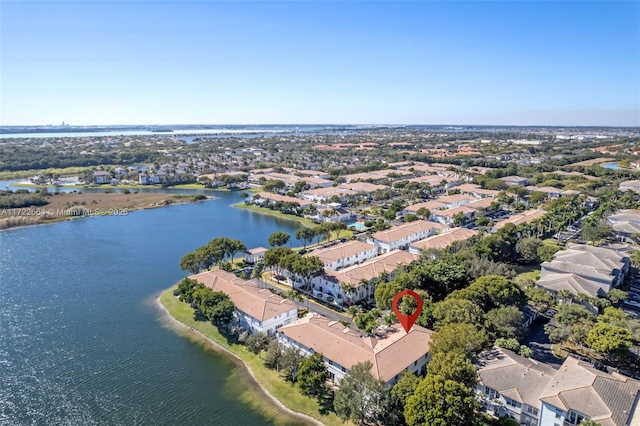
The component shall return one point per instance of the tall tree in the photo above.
(362, 398)
(506, 321)
(257, 342)
(454, 365)
(273, 258)
(305, 235)
(455, 311)
(278, 239)
(400, 393)
(464, 337)
(440, 402)
(222, 312)
(307, 267)
(609, 339)
(190, 261)
(312, 375)
(291, 359)
(275, 354)
(527, 250)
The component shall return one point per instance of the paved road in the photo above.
(539, 343)
(312, 307)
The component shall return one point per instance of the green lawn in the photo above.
(264, 210)
(27, 173)
(271, 380)
(190, 186)
(344, 233)
(527, 271)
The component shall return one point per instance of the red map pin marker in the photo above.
(407, 321)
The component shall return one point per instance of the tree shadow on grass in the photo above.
(199, 316)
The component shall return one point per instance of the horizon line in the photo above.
(324, 124)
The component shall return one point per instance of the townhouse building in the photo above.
(583, 269)
(256, 309)
(400, 237)
(330, 286)
(536, 394)
(442, 240)
(391, 351)
(345, 254)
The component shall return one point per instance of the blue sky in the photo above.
(160, 62)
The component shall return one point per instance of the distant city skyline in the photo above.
(507, 63)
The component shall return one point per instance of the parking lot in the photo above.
(632, 305)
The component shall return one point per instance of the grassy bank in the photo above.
(66, 171)
(264, 210)
(66, 206)
(344, 233)
(286, 393)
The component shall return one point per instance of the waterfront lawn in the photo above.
(66, 171)
(527, 272)
(190, 186)
(264, 210)
(288, 394)
(344, 233)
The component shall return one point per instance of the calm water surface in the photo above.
(80, 340)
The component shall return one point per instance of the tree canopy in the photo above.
(440, 402)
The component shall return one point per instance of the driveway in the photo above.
(539, 343)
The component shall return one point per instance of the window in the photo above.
(575, 418)
(532, 410)
(559, 414)
(510, 402)
(491, 393)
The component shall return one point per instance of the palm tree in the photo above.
(354, 311)
(347, 289)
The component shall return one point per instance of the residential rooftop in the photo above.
(390, 352)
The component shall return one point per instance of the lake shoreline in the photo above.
(37, 214)
(165, 311)
(261, 210)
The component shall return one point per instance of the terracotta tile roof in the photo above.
(457, 198)
(430, 205)
(444, 239)
(342, 251)
(390, 352)
(362, 186)
(328, 192)
(371, 269)
(482, 203)
(261, 304)
(464, 209)
(398, 232)
(476, 189)
(283, 198)
(524, 217)
(376, 174)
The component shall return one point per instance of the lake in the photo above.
(81, 342)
